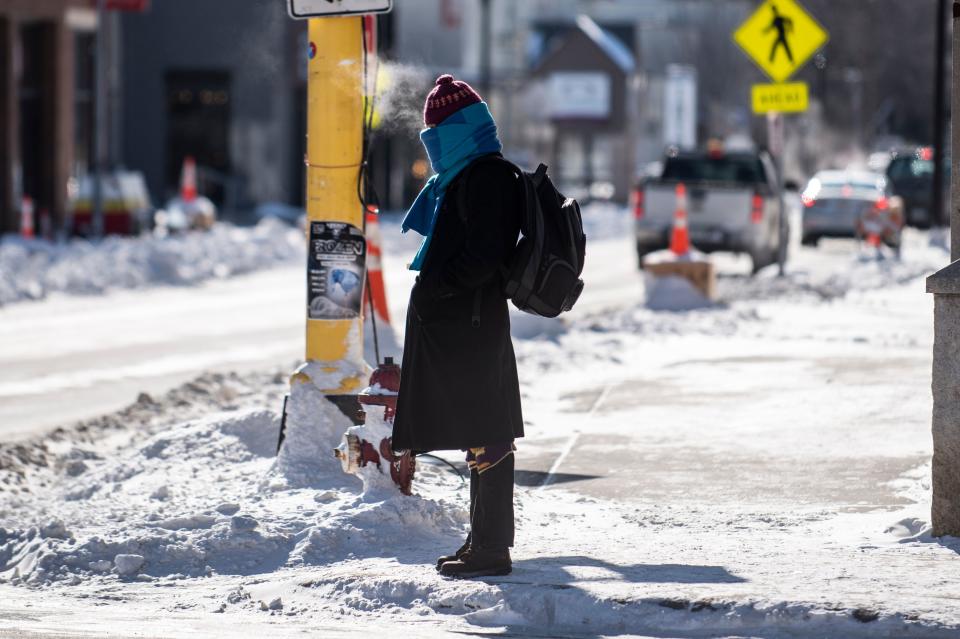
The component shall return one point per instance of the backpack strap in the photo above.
(534, 227)
(539, 175)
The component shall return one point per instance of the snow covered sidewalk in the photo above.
(35, 269)
(755, 469)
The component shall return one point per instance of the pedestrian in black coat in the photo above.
(459, 388)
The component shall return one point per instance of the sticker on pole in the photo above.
(782, 98)
(303, 9)
(336, 267)
(780, 36)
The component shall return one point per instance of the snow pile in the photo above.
(674, 293)
(365, 528)
(28, 467)
(34, 269)
(314, 429)
(148, 503)
(837, 269)
(524, 326)
(861, 274)
(207, 496)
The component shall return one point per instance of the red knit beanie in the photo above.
(448, 97)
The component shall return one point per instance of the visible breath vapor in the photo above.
(259, 54)
(401, 90)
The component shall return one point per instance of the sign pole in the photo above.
(937, 217)
(337, 250)
(782, 225)
(776, 140)
(780, 36)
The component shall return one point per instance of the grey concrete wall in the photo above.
(253, 40)
(946, 402)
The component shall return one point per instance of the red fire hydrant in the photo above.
(365, 449)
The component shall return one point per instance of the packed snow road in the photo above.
(753, 468)
(76, 356)
(85, 328)
(71, 358)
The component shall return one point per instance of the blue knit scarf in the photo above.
(451, 146)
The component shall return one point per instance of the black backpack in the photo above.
(542, 276)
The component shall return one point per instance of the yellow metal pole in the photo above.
(334, 156)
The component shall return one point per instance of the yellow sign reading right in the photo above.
(782, 98)
(780, 36)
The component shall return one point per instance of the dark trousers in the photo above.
(491, 506)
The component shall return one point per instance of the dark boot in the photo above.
(491, 518)
(479, 562)
(455, 556)
(474, 487)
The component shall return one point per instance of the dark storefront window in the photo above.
(198, 118)
(34, 104)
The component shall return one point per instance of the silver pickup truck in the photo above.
(732, 204)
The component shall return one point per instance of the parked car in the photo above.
(733, 204)
(126, 204)
(910, 173)
(845, 203)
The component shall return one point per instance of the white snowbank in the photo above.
(34, 269)
(207, 497)
(674, 293)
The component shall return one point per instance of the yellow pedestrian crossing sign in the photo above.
(780, 36)
(780, 98)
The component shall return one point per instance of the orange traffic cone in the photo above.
(680, 236)
(188, 180)
(378, 290)
(873, 239)
(26, 218)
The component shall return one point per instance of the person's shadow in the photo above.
(542, 598)
(552, 571)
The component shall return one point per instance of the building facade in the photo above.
(225, 82)
(46, 80)
(221, 81)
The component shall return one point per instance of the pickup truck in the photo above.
(732, 202)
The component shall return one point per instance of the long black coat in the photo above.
(459, 386)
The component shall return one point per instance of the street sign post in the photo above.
(304, 9)
(780, 36)
(338, 98)
(781, 98)
(777, 142)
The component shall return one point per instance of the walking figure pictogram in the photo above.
(783, 26)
